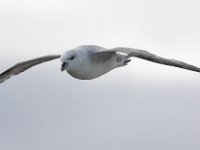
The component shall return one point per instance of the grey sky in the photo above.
(141, 106)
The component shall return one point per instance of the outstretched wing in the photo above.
(154, 58)
(22, 66)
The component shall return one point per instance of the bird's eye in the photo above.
(72, 57)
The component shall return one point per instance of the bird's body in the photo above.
(87, 65)
(90, 62)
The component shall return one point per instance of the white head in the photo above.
(68, 60)
(77, 57)
(75, 61)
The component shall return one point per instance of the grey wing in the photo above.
(102, 56)
(154, 58)
(22, 66)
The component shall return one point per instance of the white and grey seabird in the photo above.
(90, 62)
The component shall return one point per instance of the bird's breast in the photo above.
(88, 71)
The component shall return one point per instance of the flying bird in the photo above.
(89, 62)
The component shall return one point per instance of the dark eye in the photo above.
(71, 58)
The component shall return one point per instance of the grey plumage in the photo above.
(22, 66)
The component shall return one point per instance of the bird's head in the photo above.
(68, 59)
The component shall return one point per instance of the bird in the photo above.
(89, 62)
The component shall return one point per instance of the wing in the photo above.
(102, 56)
(22, 66)
(154, 58)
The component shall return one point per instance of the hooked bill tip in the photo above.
(62, 69)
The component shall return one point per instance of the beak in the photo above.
(63, 66)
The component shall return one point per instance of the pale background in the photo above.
(141, 106)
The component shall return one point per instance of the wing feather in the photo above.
(154, 58)
(22, 66)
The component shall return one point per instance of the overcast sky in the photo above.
(141, 106)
